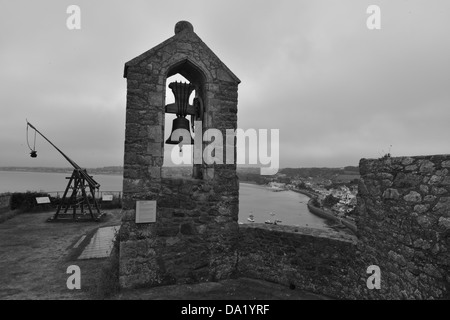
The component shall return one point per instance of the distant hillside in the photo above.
(247, 174)
(116, 170)
(345, 174)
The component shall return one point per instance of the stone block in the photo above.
(406, 180)
(446, 181)
(444, 223)
(128, 215)
(445, 164)
(172, 241)
(443, 206)
(426, 166)
(435, 179)
(407, 161)
(424, 221)
(155, 133)
(443, 172)
(128, 250)
(209, 173)
(155, 172)
(424, 189)
(413, 196)
(155, 149)
(438, 191)
(421, 208)
(391, 194)
(187, 229)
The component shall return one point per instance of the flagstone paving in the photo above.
(101, 243)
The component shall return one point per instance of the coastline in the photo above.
(57, 170)
(23, 181)
(324, 214)
(306, 193)
(329, 216)
(250, 182)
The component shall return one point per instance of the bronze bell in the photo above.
(181, 91)
(180, 123)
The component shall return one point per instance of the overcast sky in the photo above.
(337, 91)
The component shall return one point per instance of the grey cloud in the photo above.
(337, 91)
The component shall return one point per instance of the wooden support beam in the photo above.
(80, 184)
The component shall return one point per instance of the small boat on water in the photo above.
(250, 218)
(272, 214)
(272, 222)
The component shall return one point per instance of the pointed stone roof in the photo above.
(183, 42)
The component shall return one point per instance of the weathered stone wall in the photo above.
(191, 241)
(404, 225)
(320, 261)
(196, 231)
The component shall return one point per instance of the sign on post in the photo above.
(145, 211)
(107, 197)
(42, 200)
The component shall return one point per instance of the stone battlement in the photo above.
(403, 221)
(404, 224)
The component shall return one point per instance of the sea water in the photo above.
(259, 201)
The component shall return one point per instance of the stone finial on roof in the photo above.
(183, 25)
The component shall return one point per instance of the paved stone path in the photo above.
(101, 244)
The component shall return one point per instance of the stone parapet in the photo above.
(404, 224)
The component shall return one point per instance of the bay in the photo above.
(288, 206)
(22, 181)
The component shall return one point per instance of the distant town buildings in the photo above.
(343, 194)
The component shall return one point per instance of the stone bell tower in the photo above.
(177, 230)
